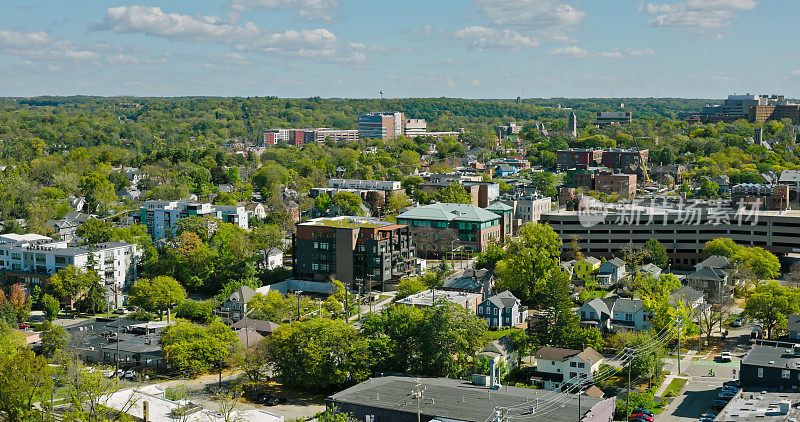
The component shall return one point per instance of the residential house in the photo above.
(688, 297)
(273, 258)
(567, 267)
(502, 351)
(248, 337)
(629, 314)
(504, 170)
(768, 366)
(596, 313)
(586, 267)
(716, 262)
(470, 280)
(263, 327)
(556, 368)
(66, 227)
(255, 210)
(234, 307)
(793, 326)
(711, 281)
(502, 310)
(611, 272)
(651, 269)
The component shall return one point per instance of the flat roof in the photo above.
(426, 298)
(762, 406)
(769, 355)
(459, 400)
(347, 222)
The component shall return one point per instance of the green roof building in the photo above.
(441, 227)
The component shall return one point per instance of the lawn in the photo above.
(674, 388)
(494, 335)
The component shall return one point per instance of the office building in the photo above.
(275, 136)
(366, 251)
(572, 124)
(763, 113)
(470, 227)
(32, 259)
(615, 183)
(380, 125)
(160, 217)
(415, 127)
(527, 208)
(605, 118)
(327, 134)
(756, 108)
(393, 399)
(683, 231)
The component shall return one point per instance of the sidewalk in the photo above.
(686, 360)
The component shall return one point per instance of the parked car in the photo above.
(23, 326)
(737, 322)
(274, 401)
(719, 404)
(261, 398)
(706, 419)
(734, 383)
(637, 420)
(726, 395)
(129, 374)
(648, 418)
(725, 357)
(118, 373)
(730, 388)
(644, 411)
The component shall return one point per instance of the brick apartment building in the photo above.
(616, 158)
(570, 157)
(621, 184)
(353, 249)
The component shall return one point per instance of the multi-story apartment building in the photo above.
(473, 228)
(366, 251)
(765, 197)
(763, 113)
(380, 125)
(275, 136)
(527, 208)
(620, 184)
(605, 118)
(567, 158)
(616, 158)
(415, 127)
(161, 217)
(32, 258)
(683, 231)
(324, 134)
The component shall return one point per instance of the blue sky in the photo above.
(408, 48)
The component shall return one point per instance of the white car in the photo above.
(130, 373)
(725, 356)
(737, 322)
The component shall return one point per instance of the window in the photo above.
(480, 310)
(785, 374)
(628, 317)
(581, 365)
(572, 374)
(573, 364)
(495, 311)
(761, 372)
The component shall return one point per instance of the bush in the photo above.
(638, 400)
(142, 315)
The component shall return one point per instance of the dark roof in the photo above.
(248, 336)
(794, 322)
(453, 399)
(714, 261)
(609, 266)
(686, 294)
(780, 357)
(628, 305)
(707, 273)
(553, 353)
(256, 324)
(789, 176)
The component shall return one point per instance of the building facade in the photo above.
(380, 125)
(616, 158)
(473, 228)
(368, 251)
(160, 217)
(605, 118)
(615, 183)
(570, 157)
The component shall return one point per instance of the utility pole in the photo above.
(418, 393)
(680, 322)
(628, 394)
(116, 359)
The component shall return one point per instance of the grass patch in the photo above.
(494, 335)
(674, 388)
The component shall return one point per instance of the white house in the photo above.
(556, 367)
(273, 258)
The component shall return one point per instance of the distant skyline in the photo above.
(357, 48)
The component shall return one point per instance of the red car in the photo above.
(643, 416)
(23, 326)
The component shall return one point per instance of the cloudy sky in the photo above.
(406, 48)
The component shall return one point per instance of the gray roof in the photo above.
(499, 206)
(789, 176)
(590, 259)
(242, 295)
(468, 279)
(652, 269)
(794, 322)
(454, 399)
(599, 306)
(256, 324)
(553, 353)
(503, 346)
(608, 266)
(628, 305)
(449, 212)
(686, 294)
(706, 273)
(503, 300)
(714, 261)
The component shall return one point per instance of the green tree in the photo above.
(50, 307)
(529, 261)
(319, 354)
(723, 246)
(409, 286)
(770, 304)
(453, 194)
(70, 283)
(489, 257)
(95, 299)
(545, 183)
(647, 363)
(156, 294)
(271, 306)
(99, 192)
(54, 339)
(763, 263)
(194, 349)
(655, 253)
(322, 203)
(24, 379)
(94, 231)
(349, 203)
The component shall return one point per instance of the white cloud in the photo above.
(530, 14)
(245, 37)
(575, 51)
(572, 51)
(698, 14)
(795, 72)
(481, 37)
(40, 45)
(122, 59)
(313, 10)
